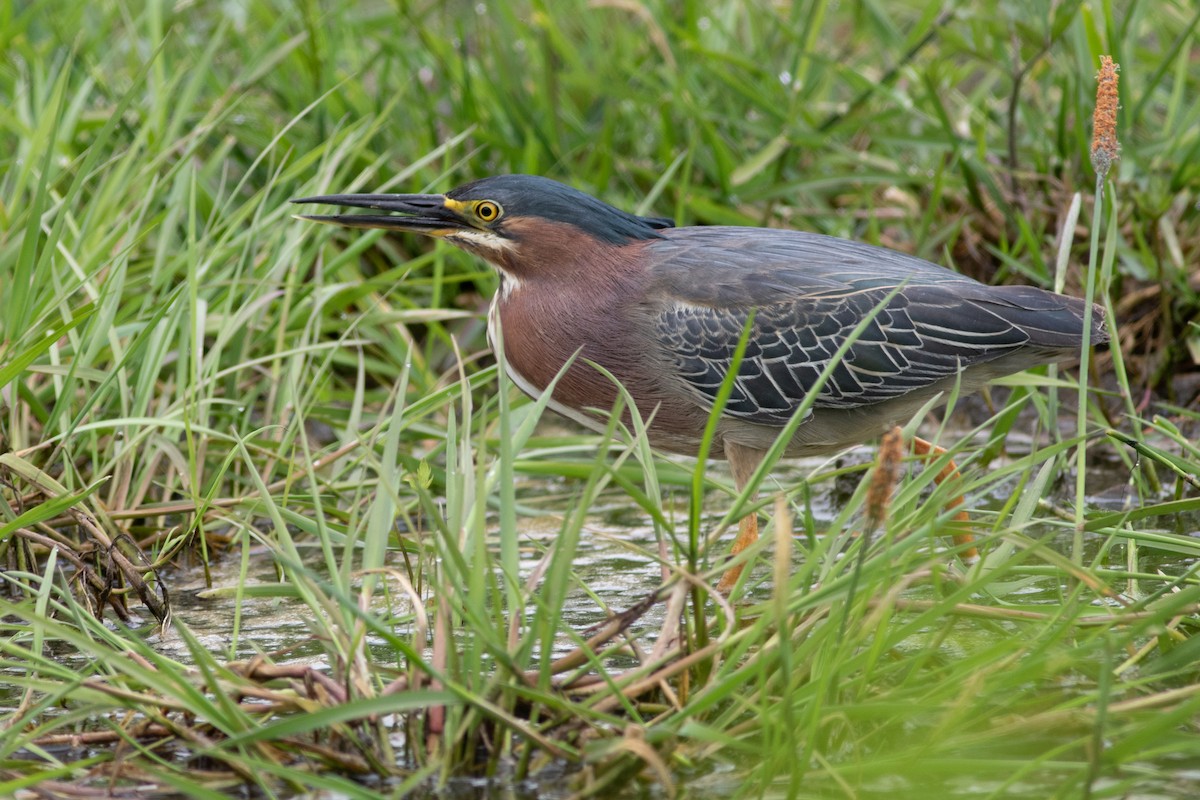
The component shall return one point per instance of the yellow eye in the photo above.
(487, 211)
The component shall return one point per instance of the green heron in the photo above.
(663, 310)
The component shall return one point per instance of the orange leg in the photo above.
(747, 535)
(930, 451)
(743, 461)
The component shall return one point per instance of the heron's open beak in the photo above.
(429, 214)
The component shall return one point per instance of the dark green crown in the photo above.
(534, 196)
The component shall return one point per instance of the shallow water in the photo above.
(616, 561)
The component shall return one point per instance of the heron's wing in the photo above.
(807, 294)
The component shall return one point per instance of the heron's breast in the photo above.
(542, 334)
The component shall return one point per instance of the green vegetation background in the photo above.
(179, 358)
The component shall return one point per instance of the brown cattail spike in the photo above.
(1105, 147)
(885, 476)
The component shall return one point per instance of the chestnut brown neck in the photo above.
(549, 253)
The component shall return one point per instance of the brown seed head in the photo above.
(1105, 146)
(885, 477)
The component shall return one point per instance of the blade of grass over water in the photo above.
(273, 519)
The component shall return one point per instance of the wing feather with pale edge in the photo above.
(808, 293)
